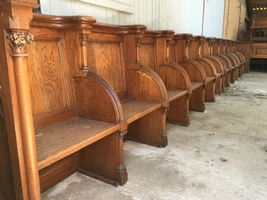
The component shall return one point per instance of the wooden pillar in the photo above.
(14, 79)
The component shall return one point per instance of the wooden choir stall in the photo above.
(72, 90)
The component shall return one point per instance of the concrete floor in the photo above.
(221, 155)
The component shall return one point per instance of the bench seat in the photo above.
(196, 85)
(135, 109)
(175, 94)
(152, 51)
(65, 138)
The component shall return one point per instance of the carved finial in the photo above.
(18, 41)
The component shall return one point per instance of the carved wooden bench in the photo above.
(233, 62)
(154, 53)
(179, 48)
(143, 96)
(211, 74)
(216, 51)
(242, 60)
(234, 57)
(79, 121)
(219, 65)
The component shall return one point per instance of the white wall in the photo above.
(213, 18)
(182, 16)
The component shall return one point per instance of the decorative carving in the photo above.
(121, 168)
(168, 42)
(164, 134)
(84, 39)
(83, 43)
(165, 110)
(138, 40)
(19, 40)
(187, 49)
(122, 134)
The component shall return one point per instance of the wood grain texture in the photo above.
(68, 110)
(112, 55)
(244, 48)
(154, 53)
(106, 64)
(47, 74)
(180, 52)
(6, 183)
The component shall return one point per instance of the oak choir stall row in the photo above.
(92, 86)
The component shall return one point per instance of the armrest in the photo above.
(236, 58)
(218, 64)
(174, 76)
(226, 61)
(195, 71)
(242, 56)
(208, 66)
(232, 59)
(96, 100)
(144, 84)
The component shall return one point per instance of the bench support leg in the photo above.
(210, 92)
(196, 101)
(179, 111)
(150, 129)
(103, 160)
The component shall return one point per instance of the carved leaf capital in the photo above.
(18, 41)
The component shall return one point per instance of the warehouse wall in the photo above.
(234, 18)
(199, 17)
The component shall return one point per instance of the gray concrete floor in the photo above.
(221, 155)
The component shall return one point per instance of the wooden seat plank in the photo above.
(57, 141)
(210, 78)
(175, 94)
(135, 109)
(196, 85)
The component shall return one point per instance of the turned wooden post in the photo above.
(16, 16)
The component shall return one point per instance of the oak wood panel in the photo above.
(107, 65)
(147, 53)
(48, 71)
(68, 165)
(6, 183)
(76, 118)
(228, 66)
(180, 52)
(137, 82)
(244, 48)
(47, 74)
(196, 49)
(154, 53)
(140, 83)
